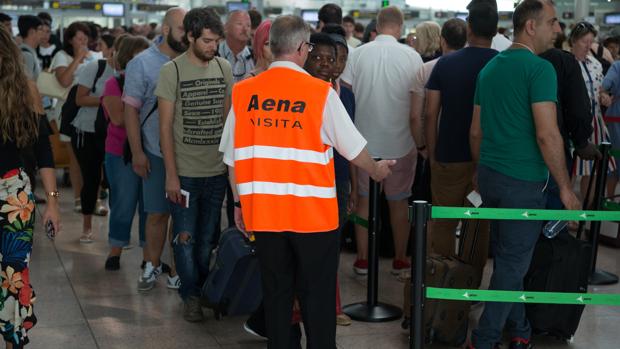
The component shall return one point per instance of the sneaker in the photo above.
(100, 209)
(343, 320)
(113, 263)
(148, 277)
(520, 343)
(87, 237)
(174, 282)
(254, 330)
(77, 206)
(360, 267)
(399, 265)
(192, 311)
(165, 268)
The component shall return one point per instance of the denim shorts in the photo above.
(154, 186)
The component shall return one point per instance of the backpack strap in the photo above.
(101, 64)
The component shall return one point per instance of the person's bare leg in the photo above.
(399, 218)
(74, 173)
(156, 227)
(361, 233)
(9, 345)
(87, 222)
(115, 251)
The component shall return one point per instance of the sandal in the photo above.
(87, 237)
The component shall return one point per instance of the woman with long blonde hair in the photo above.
(20, 126)
(427, 40)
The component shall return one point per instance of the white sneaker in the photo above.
(174, 282)
(147, 280)
(87, 237)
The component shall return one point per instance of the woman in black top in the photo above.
(20, 126)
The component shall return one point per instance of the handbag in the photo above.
(49, 86)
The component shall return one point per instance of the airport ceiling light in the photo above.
(456, 5)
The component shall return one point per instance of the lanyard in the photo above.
(592, 94)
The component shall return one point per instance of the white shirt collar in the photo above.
(385, 37)
(289, 65)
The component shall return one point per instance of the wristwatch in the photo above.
(238, 204)
(422, 148)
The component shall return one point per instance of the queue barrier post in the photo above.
(600, 277)
(419, 215)
(372, 310)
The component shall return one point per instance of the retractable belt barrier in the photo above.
(422, 211)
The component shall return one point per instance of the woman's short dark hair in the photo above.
(70, 33)
(198, 19)
(108, 39)
(580, 30)
(323, 39)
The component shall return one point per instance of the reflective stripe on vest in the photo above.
(286, 189)
(279, 153)
(283, 170)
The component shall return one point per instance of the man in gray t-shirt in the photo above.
(31, 31)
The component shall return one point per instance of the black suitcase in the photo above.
(561, 264)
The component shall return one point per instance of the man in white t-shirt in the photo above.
(381, 74)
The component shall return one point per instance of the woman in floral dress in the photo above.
(20, 126)
(581, 40)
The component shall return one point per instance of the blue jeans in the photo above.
(200, 221)
(513, 253)
(125, 195)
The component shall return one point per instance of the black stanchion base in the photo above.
(601, 277)
(367, 313)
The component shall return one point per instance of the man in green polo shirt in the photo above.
(516, 141)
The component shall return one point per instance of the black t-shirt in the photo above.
(10, 154)
(574, 112)
(455, 77)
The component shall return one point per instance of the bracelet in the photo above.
(54, 193)
(238, 204)
(422, 147)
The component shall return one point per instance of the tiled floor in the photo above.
(82, 306)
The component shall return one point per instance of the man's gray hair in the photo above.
(287, 33)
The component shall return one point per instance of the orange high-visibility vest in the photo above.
(284, 172)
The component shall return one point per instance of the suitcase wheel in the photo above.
(405, 323)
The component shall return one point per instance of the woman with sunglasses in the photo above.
(581, 40)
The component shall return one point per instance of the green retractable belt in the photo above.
(523, 297)
(522, 214)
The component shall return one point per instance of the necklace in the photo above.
(524, 45)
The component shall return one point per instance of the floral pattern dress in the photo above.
(592, 72)
(16, 229)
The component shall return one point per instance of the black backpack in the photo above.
(70, 108)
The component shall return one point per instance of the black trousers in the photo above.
(90, 155)
(302, 265)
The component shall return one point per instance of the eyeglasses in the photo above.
(310, 46)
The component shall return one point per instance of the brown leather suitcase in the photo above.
(444, 321)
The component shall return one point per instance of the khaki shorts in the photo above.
(397, 186)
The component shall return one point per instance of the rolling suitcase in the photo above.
(446, 321)
(561, 264)
(233, 286)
